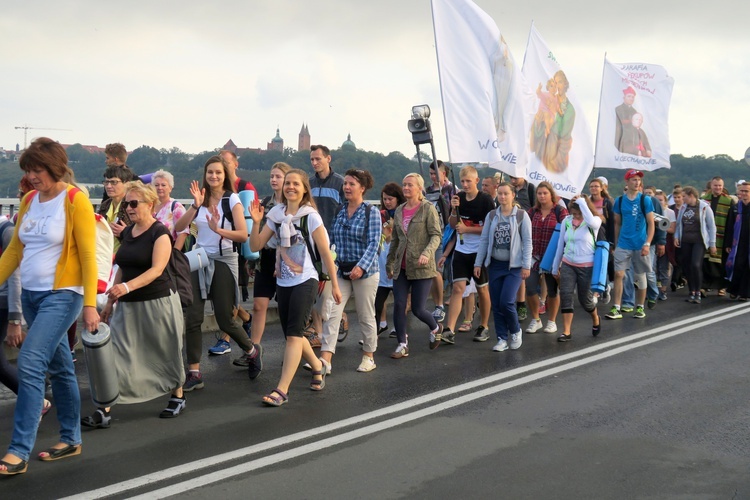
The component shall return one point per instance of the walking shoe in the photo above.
(248, 326)
(382, 329)
(314, 339)
(651, 303)
(367, 364)
(392, 335)
(627, 309)
(697, 299)
(607, 296)
(613, 313)
(193, 381)
(501, 346)
(551, 327)
(449, 337)
(481, 335)
(516, 339)
(535, 326)
(662, 296)
(244, 361)
(523, 313)
(542, 307)
(174, 407)
(343, 327)
(256, 363)
(221, 347)
(402, 351)
(565, 338)
(436, 337)
(639, 313)
(439, 314)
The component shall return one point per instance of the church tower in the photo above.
(304, 139)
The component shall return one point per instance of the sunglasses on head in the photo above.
(132, 203)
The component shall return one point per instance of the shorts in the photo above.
(265, 281)
(623, 259)
(534, 280)
(463, 269)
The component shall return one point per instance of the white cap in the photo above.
(603, 180)
(741, 181)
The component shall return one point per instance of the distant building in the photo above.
(348, 144)
(231, 146)
(276, 144)
(303, 144)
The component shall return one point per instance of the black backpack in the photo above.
(312, 249)
(226, 214)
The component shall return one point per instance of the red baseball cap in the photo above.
(633, 173)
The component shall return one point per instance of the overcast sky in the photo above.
(194, 74)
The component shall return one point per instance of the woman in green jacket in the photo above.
(411, 261)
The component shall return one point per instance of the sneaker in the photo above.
(501, 346)
(481, 335)
(551, 327)
(697, 299)
(662, 296)
(436, 337)
(248, 326)
(627, 309)
(382, 329)
(343, 327)
(193, 381)
(639, 313)
(535, 325)
(691, 297)
(439, 314)
(673, 286)
(607, 296)
(449, 337)
(392, 335)
(221, 347)
(367, 364)
(256, 363)
(402, 351)
(565, 338)
(314, 339)
(516, 339)
(613, 313)
(523, 313)
(651, 303)
(542, 307)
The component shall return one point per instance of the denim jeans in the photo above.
(46, 349)
(504, 284)
(628, 289)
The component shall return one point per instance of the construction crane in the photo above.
(26, 130)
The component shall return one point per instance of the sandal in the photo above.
(51, 454)
(596, 329)
(278, 400)
(99, 420)
(13, 469)
(722, 292)
(465, 326)
(319, 385)
(174, 407)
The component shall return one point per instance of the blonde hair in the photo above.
(419, 181)
(466, 171)
(146, 191)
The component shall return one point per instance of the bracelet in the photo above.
(193, 206)
(126, 287)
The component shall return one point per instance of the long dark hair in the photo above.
(227, 186)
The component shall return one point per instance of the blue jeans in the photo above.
(504, 284)
(46, 349)
(628, 289)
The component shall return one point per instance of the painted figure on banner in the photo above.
(634, 140)
(502, 75)
(624, 129)
(549, 106)
(551, 143)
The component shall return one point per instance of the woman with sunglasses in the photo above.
(147, 323)
(217, 281)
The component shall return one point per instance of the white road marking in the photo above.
(588, 354)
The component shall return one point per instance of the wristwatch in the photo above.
(14, 321)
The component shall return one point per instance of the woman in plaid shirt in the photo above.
(356, 234)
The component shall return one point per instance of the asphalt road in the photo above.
(654, 408)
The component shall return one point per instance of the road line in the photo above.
(631, 341)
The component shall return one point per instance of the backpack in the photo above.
(312, 250)
(519, 217)
(105, 244)
(178, 270)
(226, 214)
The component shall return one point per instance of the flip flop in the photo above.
(465, 326)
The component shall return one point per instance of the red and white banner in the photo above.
(560, 141)
(633, 127)
(481, 89)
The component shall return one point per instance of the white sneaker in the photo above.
(307, 366)
(367, 364)
(551, 327)
(516, 339)
(534, 326)
(501, 346)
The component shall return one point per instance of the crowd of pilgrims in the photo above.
(477, 246)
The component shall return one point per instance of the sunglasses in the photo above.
(133, 203)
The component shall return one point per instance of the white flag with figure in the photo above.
(634, 116)
(560, 141)
(481, 89)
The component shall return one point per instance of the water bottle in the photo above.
(100, 363)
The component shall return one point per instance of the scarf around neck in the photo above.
(285, 223)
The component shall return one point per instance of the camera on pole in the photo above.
(421, 131)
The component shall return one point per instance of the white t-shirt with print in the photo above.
(297, 253)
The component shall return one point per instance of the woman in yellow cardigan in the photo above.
(55, 224)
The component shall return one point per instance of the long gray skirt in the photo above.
(147, 341)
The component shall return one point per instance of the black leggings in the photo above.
(380, 297)
(692, 264)
(420, 290)
(222, 296)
